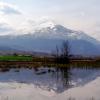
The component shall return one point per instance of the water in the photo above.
(58, 80)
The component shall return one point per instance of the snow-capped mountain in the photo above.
(49, 29)
(45, 36)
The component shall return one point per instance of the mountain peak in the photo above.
(46, 24)
(46, 35)
(46, 28)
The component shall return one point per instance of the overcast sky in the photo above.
(75, 14)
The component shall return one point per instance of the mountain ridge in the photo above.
(46, 39)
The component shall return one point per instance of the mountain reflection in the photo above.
(60, 75)
(57, 79)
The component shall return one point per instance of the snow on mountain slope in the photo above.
(49, 29)
(45, 36)
(43, 29)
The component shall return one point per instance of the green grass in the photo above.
(15, 58)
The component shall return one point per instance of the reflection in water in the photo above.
(60, 75)
(58, 79)
(63, 74)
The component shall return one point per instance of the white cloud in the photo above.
(8, 22)
(5, 29)
(6, 8)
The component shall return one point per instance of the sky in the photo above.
(75, 14)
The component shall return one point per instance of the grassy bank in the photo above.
(15, 58)
(29, 61)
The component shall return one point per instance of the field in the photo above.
(15, 58)
(30, 61)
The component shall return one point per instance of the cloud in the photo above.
(5, 29)
(6, 8)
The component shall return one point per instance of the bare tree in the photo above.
(62, 53)
(65, 49)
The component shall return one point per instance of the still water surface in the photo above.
(53, 78)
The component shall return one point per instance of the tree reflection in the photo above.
(63, 76)
(60, 76)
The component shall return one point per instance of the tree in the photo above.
(62, 53)
(65, 49)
